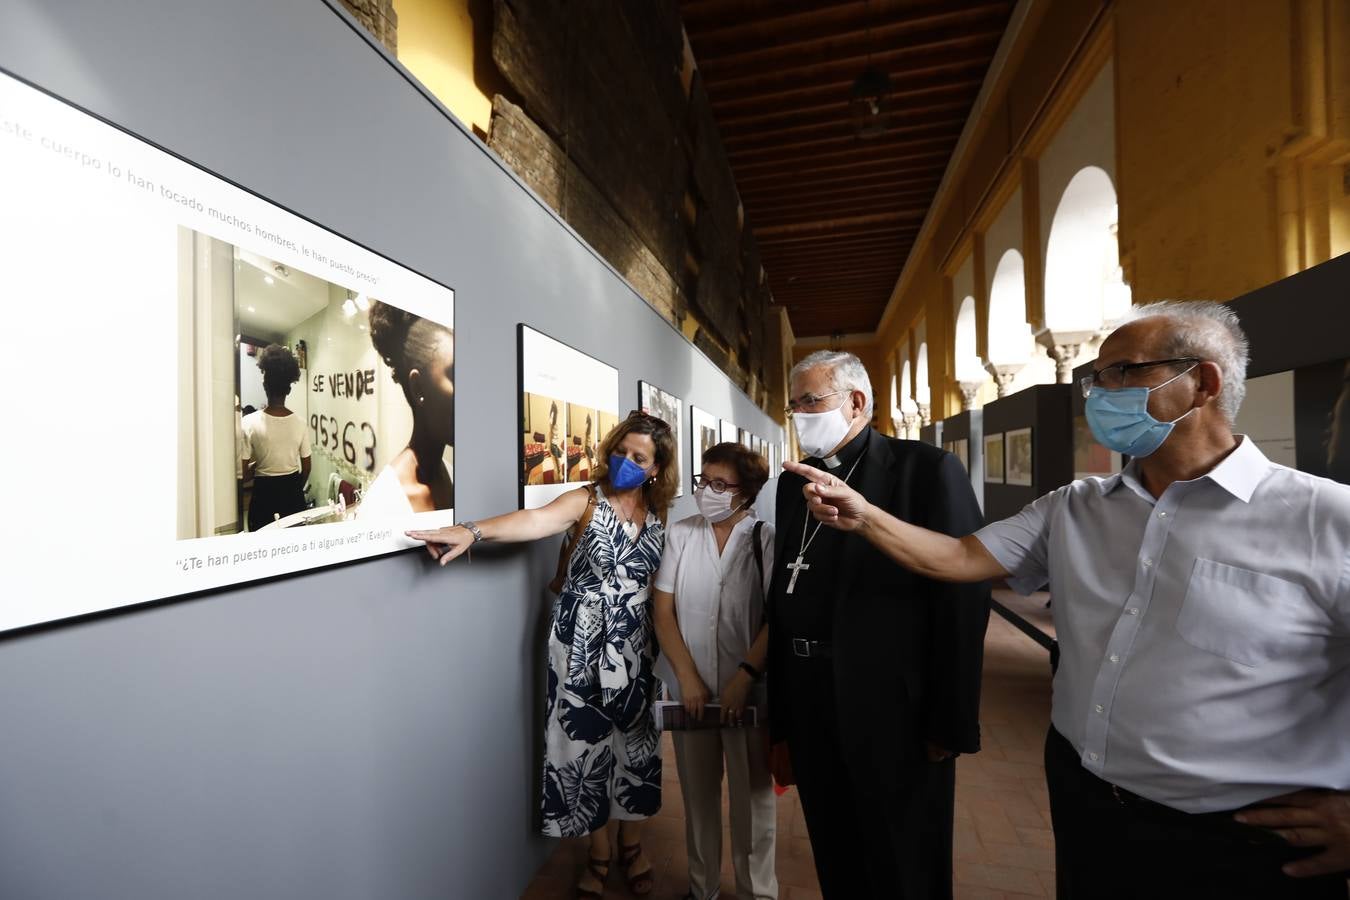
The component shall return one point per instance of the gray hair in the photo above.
(847, 373)
(1210, 331)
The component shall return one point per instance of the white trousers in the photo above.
(698, 758)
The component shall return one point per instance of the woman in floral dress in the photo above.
(602, 751)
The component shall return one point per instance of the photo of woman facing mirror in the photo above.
(420, 355)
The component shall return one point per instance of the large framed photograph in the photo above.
(703, 433)
(993, 458)
(1018, 457)
(670, 409)
(240, 384)
(569, 401)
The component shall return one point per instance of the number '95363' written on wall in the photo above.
(350, 438)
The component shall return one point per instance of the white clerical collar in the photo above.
(832, 462)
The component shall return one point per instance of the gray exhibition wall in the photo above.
(364, 731)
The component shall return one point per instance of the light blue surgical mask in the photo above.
(1120, 419)
(625, 474)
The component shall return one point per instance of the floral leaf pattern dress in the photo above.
(602, 756)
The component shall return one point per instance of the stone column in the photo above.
(969, 391)
(1063, 347)
(1004, 373)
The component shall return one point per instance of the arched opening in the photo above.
(968, 366)
(907, 404)
(1083, 282)
(922, 394)
(1010, 339)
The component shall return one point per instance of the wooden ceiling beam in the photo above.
(729, 104)
(856, 45)
(773, 224)
(958, 93)
(909, 177)
(838, 121)
(800, 206)
(888, 156)
(947, 49)
(867, 222)
(721, 37)
(841, 138)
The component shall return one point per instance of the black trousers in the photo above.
(1112, 845)
(880, 824)
(275, 495)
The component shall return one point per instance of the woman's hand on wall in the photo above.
(445, 544)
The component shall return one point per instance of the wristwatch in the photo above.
(472, 528)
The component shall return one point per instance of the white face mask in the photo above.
(819, 433)
(715, 507)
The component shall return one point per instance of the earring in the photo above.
(421, 399)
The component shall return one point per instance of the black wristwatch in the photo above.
(472, 528)
(750, 670)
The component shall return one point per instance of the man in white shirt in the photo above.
(1202, 604)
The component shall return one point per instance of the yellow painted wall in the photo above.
(436, 43)
(1204, 103)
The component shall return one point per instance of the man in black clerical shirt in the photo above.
(876, 671)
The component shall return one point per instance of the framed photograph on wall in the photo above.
(271, 373)
(1017, 453)
(993, 458)
(670, 409)
(569, 401)
(729, 433)
(703, 433)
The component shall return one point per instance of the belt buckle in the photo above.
(801, 647)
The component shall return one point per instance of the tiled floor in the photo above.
(1003, 841)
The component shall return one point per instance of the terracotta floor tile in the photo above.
(1002, 840)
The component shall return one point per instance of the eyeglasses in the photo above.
(658, 424)
(717, 484)
(1113, 378)
(808, 402)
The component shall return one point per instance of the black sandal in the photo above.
(600, 869)
(641, 884)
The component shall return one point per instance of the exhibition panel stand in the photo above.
(1037, 447)
(966, 429)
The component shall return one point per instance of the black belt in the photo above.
(812, 649)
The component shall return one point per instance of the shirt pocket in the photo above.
(1244, 616)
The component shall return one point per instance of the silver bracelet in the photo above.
(472, 528)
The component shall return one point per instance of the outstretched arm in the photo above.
(927, 553)
(445, 544)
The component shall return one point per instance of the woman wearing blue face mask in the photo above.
(709, 598)
(602, 757)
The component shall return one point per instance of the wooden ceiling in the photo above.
(836, 215)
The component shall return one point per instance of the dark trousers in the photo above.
(1112, 845)
(874, 833)
(273, 496)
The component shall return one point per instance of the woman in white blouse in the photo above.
(709, 617)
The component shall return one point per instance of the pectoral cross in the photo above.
(796, 568)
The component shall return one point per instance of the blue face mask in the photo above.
(625, 474)
(1120, 419)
